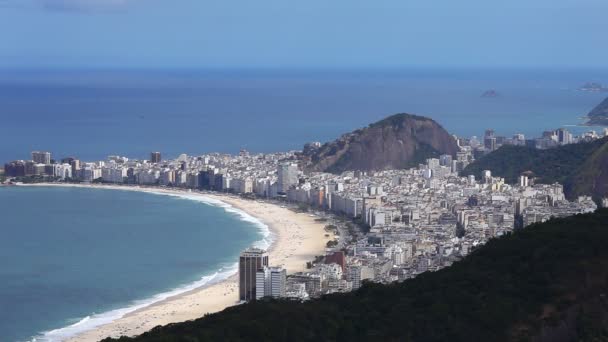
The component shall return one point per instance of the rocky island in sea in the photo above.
(593, 86)
(490, 94)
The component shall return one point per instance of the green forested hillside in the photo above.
(548, 282)
(579, 167)
(591, 178)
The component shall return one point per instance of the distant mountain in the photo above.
(599, 115)
(582, 168)
(397, 142)
(543, 283)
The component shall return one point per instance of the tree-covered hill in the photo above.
(548, 282)
(580, 167)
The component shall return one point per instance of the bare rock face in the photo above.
(599, 114)
(397, 142)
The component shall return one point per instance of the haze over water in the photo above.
(92, 114)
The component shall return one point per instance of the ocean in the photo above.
(93, 114)
(74, 258)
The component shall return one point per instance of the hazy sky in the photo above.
(303, 33)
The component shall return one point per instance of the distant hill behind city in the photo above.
(599, 114)
(396, 142)
(582, 168)
(546, 282)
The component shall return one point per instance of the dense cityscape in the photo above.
(390, 225)
(310, 171)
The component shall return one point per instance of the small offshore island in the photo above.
(490, 94)
(402, 196)
(593, 87)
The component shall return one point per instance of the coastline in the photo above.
(295, 238)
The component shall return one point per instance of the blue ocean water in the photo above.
(69, 253)
(92, 114)
(62, 251)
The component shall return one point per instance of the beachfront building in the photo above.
(288, 176)
(271, 282)
(394, 225)
(251, 261)
(41, 157)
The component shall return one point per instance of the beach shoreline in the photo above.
(295, 239)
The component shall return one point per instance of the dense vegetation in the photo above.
(547, 282)
(570, 165)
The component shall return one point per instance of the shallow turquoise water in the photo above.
(69, 253)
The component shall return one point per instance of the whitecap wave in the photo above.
(93, 321)
(96, 320)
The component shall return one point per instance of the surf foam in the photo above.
(96, 320)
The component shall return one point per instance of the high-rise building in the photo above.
(75, 163)
(288, 176)
(251, 261)
(30, 168)
(155, 157)
(486, 175)
(490, 143)
(523, 181)
(15, 169)
(445, 160)
(356, 274)
(271, 282)
(564, 137)
(41, 157)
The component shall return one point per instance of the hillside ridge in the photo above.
(580, 167)
(546, 282)
(397, 142)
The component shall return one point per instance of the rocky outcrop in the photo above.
(397, 142)
(599, 115)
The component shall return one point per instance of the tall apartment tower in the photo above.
(251, 261)
(41, 157)
(288, 176)
(155, 157)
(75, 163)
(271, 282)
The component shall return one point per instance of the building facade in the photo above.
(155, 157)
(41, 157)
(250, 262)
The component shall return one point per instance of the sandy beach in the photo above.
(298, 238)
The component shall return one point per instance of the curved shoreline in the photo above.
(292, 240)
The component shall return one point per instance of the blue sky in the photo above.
(307, 34)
